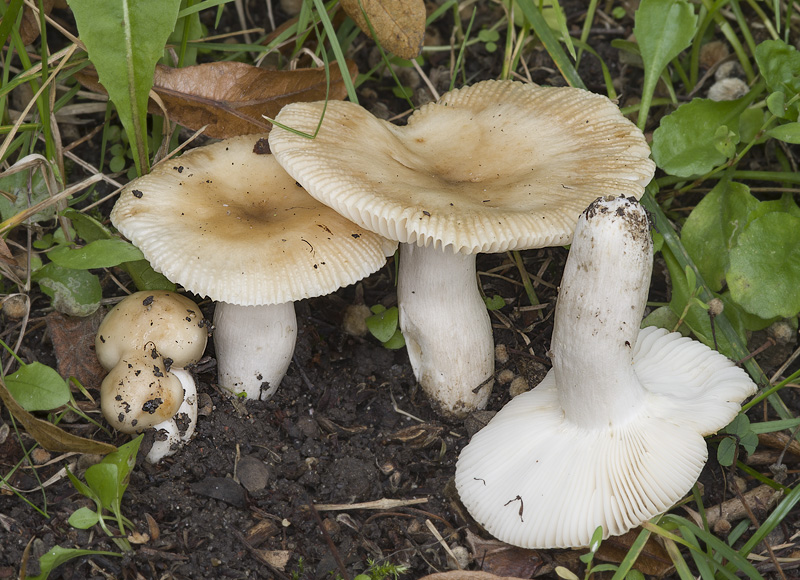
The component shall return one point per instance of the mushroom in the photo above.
(496, 166)
(142, 342)
(613, 435)
(227, 222)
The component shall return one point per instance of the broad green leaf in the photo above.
(145, 277)
(83, 518)
(74, 292)
(58, 555)
(87, 228)
(764, 274)
(97, 254)
(382, 325)
(726, 451)
(663, 29)
(687, 143)
(750, 122)
(124, 458)
(779, 64)
(788, 133)
(496, 302)
(16, 185)
(82, 488)
(776, 103)
(37, 387)
(713, 226)
(104, 480)
(397, 341)
(664, 317)
(125, 39)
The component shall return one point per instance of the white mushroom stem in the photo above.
(177, 431)
(600, 306)
(446, 327)
(254, 346)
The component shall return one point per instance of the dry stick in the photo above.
(439, 537)
(379, 504)
(754, 521)
(258, 556)
(329, 541)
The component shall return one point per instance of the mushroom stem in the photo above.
(254, 346)
(599, 312)
(177, 430)
(446, 327)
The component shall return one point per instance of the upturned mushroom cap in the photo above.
(166, 321)
(496, 166)
(226, 222)
(614, 433)
(139, 393)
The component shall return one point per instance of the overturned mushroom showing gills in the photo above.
(496, 166)
(614, 433)
(227, 222)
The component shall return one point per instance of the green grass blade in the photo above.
(774, 519)
(337, 50)
(633, 553)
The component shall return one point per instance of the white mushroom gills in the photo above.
(613, 435)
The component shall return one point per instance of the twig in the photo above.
(378, 504)
(329, 541)
(439, 537)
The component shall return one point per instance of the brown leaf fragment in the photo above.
(73, 343)
(503, 559)
(232, 98)
(29, 27)
(417, 436)
(652, 561)
(48, 435)
(399, 26)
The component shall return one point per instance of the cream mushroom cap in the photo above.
(166, 321)
(496, 166)
(226, 222)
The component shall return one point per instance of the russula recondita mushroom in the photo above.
(614, 433)
(144, 342)
(496, 166)
(225, 221)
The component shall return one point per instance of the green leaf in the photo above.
(146, 278)
(713, 226)
(83, 518)
(382, 325)
(776, 103)
(779, 64)
(788, 133)
(726, 451)
(663, 29)
(87, 228)
(496, 302)
(97, 254)
(58, 555)
(74, 292)
(764, 272)
(17, 184)
(104, 479)
(686, 142)
(124, 458)
(37, 387)
(125, 39)
(397, 341)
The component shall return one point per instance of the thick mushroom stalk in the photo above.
(178, 429)
(254, 346)
(614, 433)
(438, 300)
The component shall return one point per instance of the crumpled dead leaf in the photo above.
(29, 27)
(399, 26)
(231, 98)
(504, 560)
(48, 435)
(652, 561)
(73, 343)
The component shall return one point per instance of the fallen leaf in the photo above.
(29, 27)
(503, 559)
(652, 561)
(417, 436)
(399, 26)
(73, 343)
(231, 98)
(48, 435)
(277, 558)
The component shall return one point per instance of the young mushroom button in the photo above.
(613, 435)
(496, 166)
(249, 237)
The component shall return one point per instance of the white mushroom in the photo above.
(227, 222)
(614, 433)
(142, 341)
(496, 166)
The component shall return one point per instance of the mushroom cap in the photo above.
(139, 393)
(534, 479)
(166, 321)
(496, 166)
(226, 222)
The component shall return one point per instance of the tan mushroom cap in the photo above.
(230, 224)
(496, 166)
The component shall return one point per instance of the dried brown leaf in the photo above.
(231, 98)
(399, 26)
(73, 343)
(503, 559)
(652, 561)
(48, 435)
(29, 26)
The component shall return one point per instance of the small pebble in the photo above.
(253, 473)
